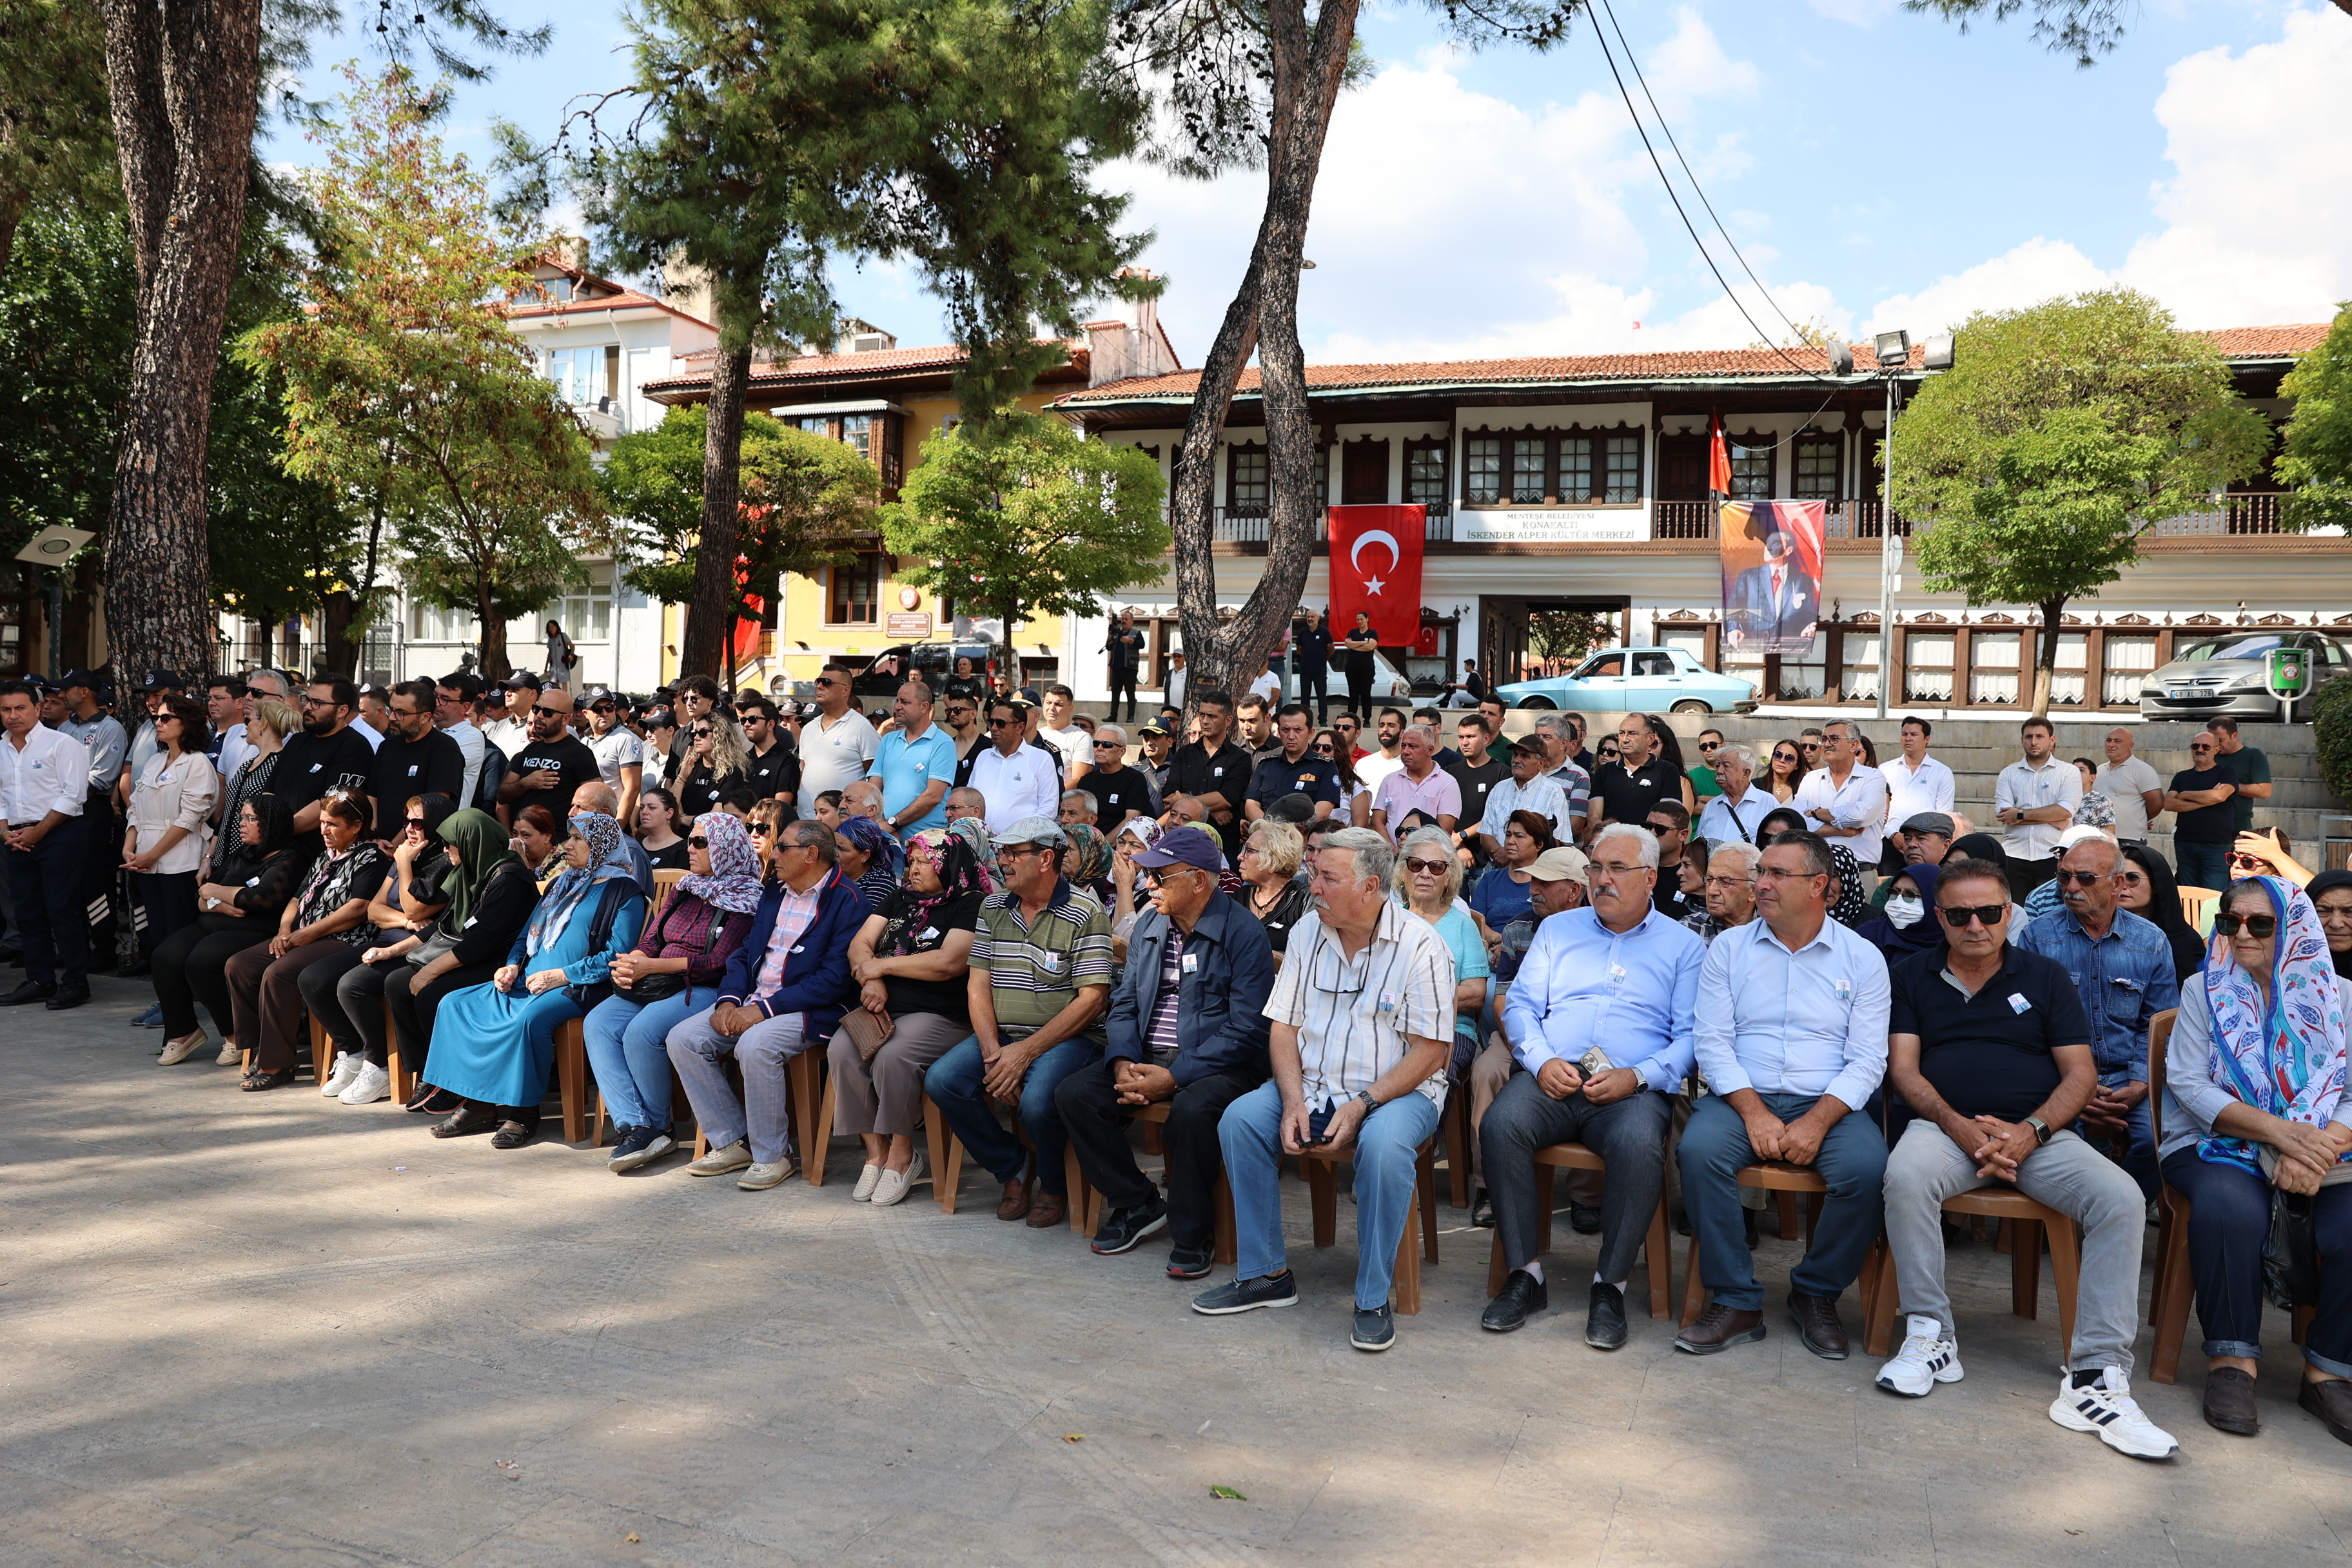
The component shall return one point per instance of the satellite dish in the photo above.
(1841, 359)
(52, 546)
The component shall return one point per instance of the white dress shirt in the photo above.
(1723, 822)
(1539, 795)
(50, 772)
(472, 744)
(1910, 791)
(2056, 781)
(1025, 784)
(1860, 803)
(1812, 1022)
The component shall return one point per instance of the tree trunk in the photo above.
(338, 648)
(182, 76)
(495, 668)
(1264, 318)
(710, 617)
(2045, 655)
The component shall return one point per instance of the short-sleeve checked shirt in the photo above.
(1352, 1015)
(1035, 971)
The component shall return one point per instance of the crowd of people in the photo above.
(990, 907)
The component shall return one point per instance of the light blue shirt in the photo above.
(1723, 823)
(1634, 995)
(1812, 1022)
(2125, 978)
(1460, 934)
(908, 766)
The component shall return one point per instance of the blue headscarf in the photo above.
(2283, 1053)
(567, 891)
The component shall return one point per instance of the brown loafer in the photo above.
(2331, 1401)
(1050, 1209)
(1818, 1325)
(1016, 1201)
(2230, 1402)
(1718, 1328)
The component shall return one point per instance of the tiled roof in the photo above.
(2267, 342)
(627, 300)
(833, 367)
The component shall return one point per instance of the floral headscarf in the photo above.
(950, 857)
(733, 884)
(974, 834)
(2287, 1055)
(1094, 854)
(567, 892)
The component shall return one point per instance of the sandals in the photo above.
(430, 1100)
(260, 1078)
(513, 1135)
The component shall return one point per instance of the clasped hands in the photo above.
(1561, 1078)
(2306, 1154)
(1794, 1142)
(545, 979)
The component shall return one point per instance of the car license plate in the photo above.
(2178, 692)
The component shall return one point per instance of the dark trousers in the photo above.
(102, 864)
(2229, 1216)
(1316, 682)
(1629, 1133)
(2201, 863)
(1123, 680)
(1359, 696)
(2025, 875)
(413, 1006)
(318, 981)
(191, 965)
(265, 992)
(1851, 1160)
(1096, 1125)
(48, 883)
(356, 1020)
(170, 901)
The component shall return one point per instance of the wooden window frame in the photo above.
(1815, 440)
(1443, 451)
(1233, 454)
(881, 564)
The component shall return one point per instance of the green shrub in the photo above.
(2331, 728)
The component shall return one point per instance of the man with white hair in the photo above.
(1735, 816)
(1077, 808)
(1119, 791)
(1362, 1012)
(1421, 786)
(1730, 890)
(1600, 1017)
(1558, 731)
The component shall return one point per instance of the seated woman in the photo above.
(1502, 895)
(345, 994)
(494, 1045)
(1426, 880)
(672, 973)
(2145, 886)
(912, 960)
(491, 894)
(2331, 896)
(237, 907)
(1270, 886)
(1908, 924)
(2253, 1099)
(1086, 861)
(534, 841)
(658, 832)
(868, 857)
(322, 922)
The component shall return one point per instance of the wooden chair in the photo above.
(1577, 1157)
(2193, 901)
(664, 878)
(1320, 1170)
(404, 1077)
(1153, 1117)
(1797, 1180)
(571, 1079)
(946, 1155)
(811, 1108)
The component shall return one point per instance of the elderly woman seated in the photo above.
(493, 1045)
(2254, 1102)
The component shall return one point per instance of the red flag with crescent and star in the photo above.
(1376, 568)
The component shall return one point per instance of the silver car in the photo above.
(2230, 674)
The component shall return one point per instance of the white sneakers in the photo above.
(370, 1084)
(867, 1180)
(347, 1068)
(2106, 1406)
(179, 1050)
(1927, 1358)
(765, 1173)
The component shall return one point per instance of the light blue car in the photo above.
(1634, 680)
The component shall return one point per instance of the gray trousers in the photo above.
(884, 1096)
(2068, 1174)
(1629, 1133)
(760, 1053)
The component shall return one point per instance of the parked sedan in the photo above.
(2230, 675)
(1634, 680)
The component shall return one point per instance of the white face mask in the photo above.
(1903, 911)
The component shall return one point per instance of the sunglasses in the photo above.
(697, 844)
(826, 680)
(1957, 916)
(2255, 925)
(1426, 868)
(543, 712)
(415, 822)
(1324, 750)
(1159, 878)
(758, 829)
(1100, 744)
(2248, 862)
(1784, 756)
(1708, 745)
(1659, 827)
(2130, 879)
(702, 734)
(2079, 878)
(1004, 723)
(2201, 751)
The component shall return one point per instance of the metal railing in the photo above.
(1248, 525)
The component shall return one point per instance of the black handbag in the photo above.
(669, 981)
(2290, 1252)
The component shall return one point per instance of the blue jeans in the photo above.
(2228, 1218)
(1385, 1152)
(628, 1052)
(2201, 864)
(956, 1083)
(1853, 1161)
(2140, 1159)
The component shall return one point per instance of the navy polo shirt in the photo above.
(1310, 775)
(1988, 1055)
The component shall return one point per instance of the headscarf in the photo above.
(2164, 908)
(733, 884)
(879, 844)
(975, 833)
(2328, 882)
(482, 849)
(241, 859)
(1977, 846)
(2283, 1055)
(1899, 943)
(949, 854)
(1852, 909)
(1094, 854)
(570, 890)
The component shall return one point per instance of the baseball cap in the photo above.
(1560, 865)
(1186, 846)
(1034, 830)
(1933, 822)
(520, 681)
(2081, 833)
(89, 677)
(162, 679)
(1154, 730)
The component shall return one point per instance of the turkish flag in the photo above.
(1376, 568)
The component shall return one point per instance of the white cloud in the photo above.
(1861, 13)
(2033, 272)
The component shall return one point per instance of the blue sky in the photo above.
(1876, 168)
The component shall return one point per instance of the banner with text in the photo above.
(1771, 575)
(1551, 525)
(1376, 568)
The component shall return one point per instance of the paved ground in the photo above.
(269, 1328)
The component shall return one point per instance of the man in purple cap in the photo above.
(1187, 1028)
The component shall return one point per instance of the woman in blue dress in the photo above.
(494, 1045)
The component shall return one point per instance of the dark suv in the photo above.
(933, 661)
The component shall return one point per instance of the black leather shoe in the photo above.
(1819, 1326)
(1482, 1211)
(29, 992)
(1521, 1293)
(67, 996)
(2331, 1401)
(1584, 1221)
(465, 1120)
(1604, 1325)
(2230, 1402)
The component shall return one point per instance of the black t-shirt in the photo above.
(1311, 649)
(1988, 1055)
(1196, 770)
(777, 773)
(700, 789)
(1627, 794)
(673, 858)
(1310, 775)
(1359, 659)
(2207, 824)
(572, 759)
(405, 769)
(946, 998)
(1475, 785)
(1126, 792)
(309, 765)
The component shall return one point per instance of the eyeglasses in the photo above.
(2080, 879)
(757, 829)
(1784, 756)
(697, 844)
(2255, 925)
(701, 734)
(1426, 868)
(2200, 749)
(1100, 744)
(1015, 851)
(1957, 916)
(1714, 881)
(1323, 749)
(1618, 870)
(1660, 828)
(1004, 723)
(418, 823)
(1159, 878)
(2130, 879)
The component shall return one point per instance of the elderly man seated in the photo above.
(1791, 1037)
(1555, 882)
(1730, 891)
(1600, 1017)
(1363, 1011)
(1925, 839)
(1989, 1047)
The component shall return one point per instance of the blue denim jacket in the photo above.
(2125, 978)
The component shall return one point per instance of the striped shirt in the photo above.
(1352, 1015)
(1160, 1038)
(1035, 971)
(793, 918)
(1539, 795)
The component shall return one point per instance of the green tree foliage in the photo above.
(1567, 633)
(57, 143)
(404, 384)
(2316, 450)
(804, 498)
(1026, 519)
(2063, 432)
(2082, 29)
(2331, 729)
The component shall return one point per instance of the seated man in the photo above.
(1364, 1017)
(1989, 1047)
(1556, 883)
(1187, 1026)
(1730, 891)
(784, 991)
(1618, 979)
(1923, 839)
(1041, 973)
(1791, 1037)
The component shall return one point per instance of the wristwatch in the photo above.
(2040, 1128)
(1370, 1104)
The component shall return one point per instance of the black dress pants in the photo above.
(191, 965)
(1096, 1125)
